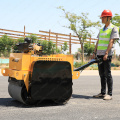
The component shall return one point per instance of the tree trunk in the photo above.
(82, 52)
(82, 48)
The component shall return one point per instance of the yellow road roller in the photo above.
(34, 77)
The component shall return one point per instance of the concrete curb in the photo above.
(0, 73)
(96, 73)
(92, 73)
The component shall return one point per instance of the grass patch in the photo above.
(3, 65)
(93, 68)
(116, 62)
(78, 64)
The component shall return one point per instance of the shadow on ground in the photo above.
(10, 102)
(81, 96)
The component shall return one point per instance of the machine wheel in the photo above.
(26, 97)
(17, 90)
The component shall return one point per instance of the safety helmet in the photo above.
(106, 13)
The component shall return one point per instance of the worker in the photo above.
(103, 49)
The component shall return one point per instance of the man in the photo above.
(103, 49)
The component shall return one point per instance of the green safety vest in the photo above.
(104, 38)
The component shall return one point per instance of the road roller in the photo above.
(34, 77)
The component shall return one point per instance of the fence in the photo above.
(57, 38)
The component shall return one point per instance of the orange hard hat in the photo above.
(106, 13)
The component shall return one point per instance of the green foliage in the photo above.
(48, 47)
(45, 44)
(79, 50)
(68, 53)
(65, 46)
(20, 40)
(33, 37)
(6, 45)
(78, 64)
(93, 68)
(116, 20)
(58, 50)
(6, 53)
(89, 48)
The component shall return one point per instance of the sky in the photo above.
(43, 14)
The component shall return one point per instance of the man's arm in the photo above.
(114, 36)
(95, 50)
(108, 49)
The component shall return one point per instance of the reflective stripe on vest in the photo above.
(104, 38)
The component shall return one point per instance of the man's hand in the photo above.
(108, 49)
(105, 57)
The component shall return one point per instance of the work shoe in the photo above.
(107, 97)
(99, 96)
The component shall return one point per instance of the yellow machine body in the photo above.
(20, 65)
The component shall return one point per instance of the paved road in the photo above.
(81, 106)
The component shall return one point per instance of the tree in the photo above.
(33, 37)
(116, 20)
(6, 45)
(57, 50)
(48, 47)
(89, 48)
(80, 25)
(65, 46)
